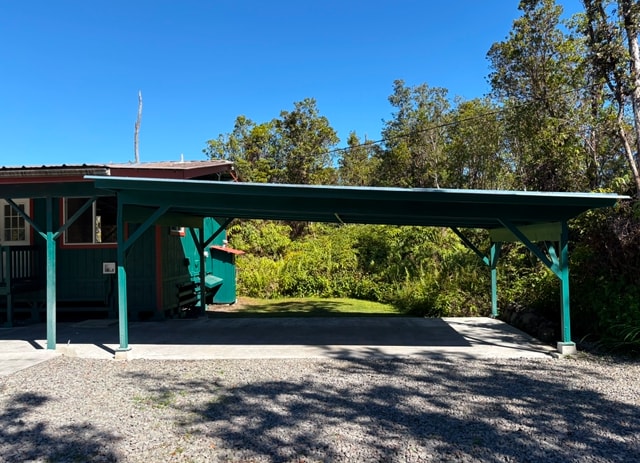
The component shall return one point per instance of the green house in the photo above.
(166, 267)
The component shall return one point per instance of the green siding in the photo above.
(224, 267)
(81, 284)
(210, 226)
(79, 275)
(141, 274)
(79, 278)
(175, 270)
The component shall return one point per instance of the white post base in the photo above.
(567, 348)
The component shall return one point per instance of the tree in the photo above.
(535, 73)
(292, 149)
(476, 155)
(414, 154)
(358, 163)
(304, 141)
(614, 63)
(251, 147)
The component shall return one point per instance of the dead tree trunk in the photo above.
(137, 129)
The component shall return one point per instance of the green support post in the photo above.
(203, 283)
(51, 276)
(559, 265)
(566, 346)
(198, 240)
(123, 321)
(50, 238)
(493, 265)
(201, 245)
(203, 271)
(123, 246)
(491, 262)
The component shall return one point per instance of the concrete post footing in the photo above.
(66, 350)
(121, 354)
(567, 348)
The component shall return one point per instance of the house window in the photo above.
(96, 225)
(14, 230)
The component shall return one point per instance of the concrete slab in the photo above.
(16, 355)
(245, 338)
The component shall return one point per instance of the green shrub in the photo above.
(415, 298)
(605, 285)
(259, 277)
(425, 271)
(260, 238)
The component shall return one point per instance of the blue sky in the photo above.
(70, 70)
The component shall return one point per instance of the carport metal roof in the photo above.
(522, 216)
(397, 206)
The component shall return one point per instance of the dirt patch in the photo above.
(240, 304)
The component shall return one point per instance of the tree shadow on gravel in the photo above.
(24, 439)
(393, 409)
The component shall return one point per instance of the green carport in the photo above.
(526, 217)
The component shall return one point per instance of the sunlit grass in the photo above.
(305, 307)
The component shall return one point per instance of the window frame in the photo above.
(64, 243)
(26, 202)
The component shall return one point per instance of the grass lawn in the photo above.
(302, 307)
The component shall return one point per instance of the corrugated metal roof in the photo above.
(180, 165)
(398, 206)
(161, 169)
(179, 170)
(63, 170)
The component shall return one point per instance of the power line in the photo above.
(484, 115)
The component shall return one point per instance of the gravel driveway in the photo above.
(308, 410)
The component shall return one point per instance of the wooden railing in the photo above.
(20, 265)
(21, 270)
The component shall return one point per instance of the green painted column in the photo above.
(203, 272)
(493, 264)
(123, 320)
(197, 235)
(51, 276)
(564, 282)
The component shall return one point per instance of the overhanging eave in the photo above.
(398, 206)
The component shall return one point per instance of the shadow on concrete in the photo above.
(367, 331)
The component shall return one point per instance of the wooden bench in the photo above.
(188, 293)
(20, 272)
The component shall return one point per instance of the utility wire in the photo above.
(484, 115)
